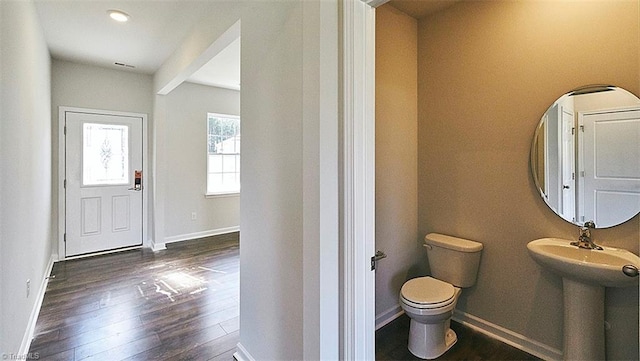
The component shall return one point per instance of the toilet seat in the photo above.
(427, 293)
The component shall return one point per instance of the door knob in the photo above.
(378, 256)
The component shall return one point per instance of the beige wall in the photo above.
(487, 71)
(396, 156)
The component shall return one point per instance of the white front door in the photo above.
(103, 198)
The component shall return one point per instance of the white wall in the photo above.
(25, 170)
(271, 282)
(288, 247)
(605, 100)
(185, 164)
(288, 216)
(88, 86)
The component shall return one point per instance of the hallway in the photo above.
(180, 303)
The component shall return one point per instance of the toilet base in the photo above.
(431, 340)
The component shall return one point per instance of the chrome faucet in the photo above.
(584, 241)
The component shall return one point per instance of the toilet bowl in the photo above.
(429, 301)
(430, 334)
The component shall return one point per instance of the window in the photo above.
(223, 154)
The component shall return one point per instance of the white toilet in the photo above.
(429, 301)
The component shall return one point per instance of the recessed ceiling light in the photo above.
(118, 15)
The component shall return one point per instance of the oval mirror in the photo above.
(585, 156)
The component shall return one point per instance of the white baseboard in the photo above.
(157, 246)
(242, 354)
(101, 253)
(507, 336)
(33, 318)
(492, 330)
(203, 234)
(387, 316)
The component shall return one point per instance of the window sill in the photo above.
(221, 195)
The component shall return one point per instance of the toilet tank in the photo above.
(454, 260)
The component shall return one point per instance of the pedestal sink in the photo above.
(585, 274)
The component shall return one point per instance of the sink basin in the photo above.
(585, 274)
(596, 267)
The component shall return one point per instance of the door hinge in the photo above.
(64, 237)
(65, 184)
(582, 128)
(573, 130)
(65, 130)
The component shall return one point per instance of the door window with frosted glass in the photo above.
(105, 154)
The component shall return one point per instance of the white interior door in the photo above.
(103, 194)
(611, 165)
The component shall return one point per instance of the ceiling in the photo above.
(421, 8)
(81, 31)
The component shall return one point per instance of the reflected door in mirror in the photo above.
(611, 163)
(585, 156)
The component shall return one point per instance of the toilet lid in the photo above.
(427, 291)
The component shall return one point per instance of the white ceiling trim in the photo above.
(223, 71)
(375, 3)
(228, 37)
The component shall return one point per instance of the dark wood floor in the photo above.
(177, 304)
(392, 340)
(180, 304)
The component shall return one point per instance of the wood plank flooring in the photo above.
(392, 340)
(180, 304)
(177, 304)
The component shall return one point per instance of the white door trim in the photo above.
(62, 215)
(358, 181)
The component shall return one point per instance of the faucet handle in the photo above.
(585, 229)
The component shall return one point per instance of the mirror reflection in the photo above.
(585, 156)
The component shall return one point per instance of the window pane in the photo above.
(229, 163)
(214, 182)
(229, 183)
(105, 154)
(215, 163)
(224, 134)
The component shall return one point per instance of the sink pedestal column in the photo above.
(583, 321)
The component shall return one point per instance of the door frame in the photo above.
(358, 179)
(62, 166)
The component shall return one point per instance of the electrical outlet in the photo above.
(28, 287)
(194, 216)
